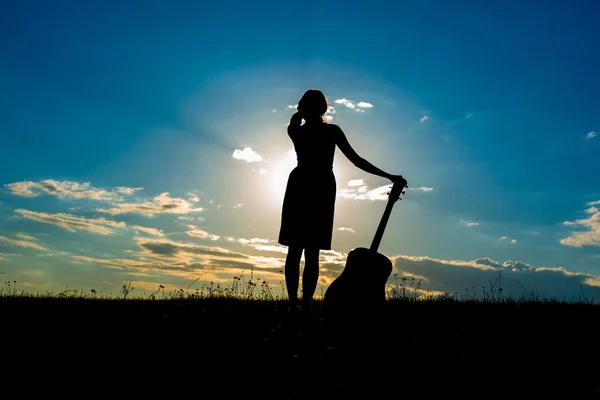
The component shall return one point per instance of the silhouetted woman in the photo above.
(309, 202)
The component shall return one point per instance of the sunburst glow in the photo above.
(278, 175)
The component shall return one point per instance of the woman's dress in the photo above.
(309, 202)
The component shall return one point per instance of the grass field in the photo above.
(231, 346)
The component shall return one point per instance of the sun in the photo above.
(278, 173)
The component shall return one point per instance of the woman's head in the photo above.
(313, 104)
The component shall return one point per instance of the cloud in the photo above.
(196, 232)
(186, 253)
(26, 237)
(516, 278)
(23, 243)
(260, 244)
(345, 102)
(469, 224)
(161, 204)
(272, 248)
(364, 104)
(127, 190)
(67, 189)
(357, 191)
(356, 182)
(253, 241)
(74, 223)
(127, 263)
(424, 118)
(591, 135)
(329, 113)
(150, 231)
(247, 155)
(590, 236)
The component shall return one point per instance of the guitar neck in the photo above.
(381, 228)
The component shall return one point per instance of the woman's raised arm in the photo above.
(348, 151)
(295, 122)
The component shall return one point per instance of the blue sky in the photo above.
(148, 143)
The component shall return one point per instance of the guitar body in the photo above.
(362, 282)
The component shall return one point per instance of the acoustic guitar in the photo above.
(363, 279)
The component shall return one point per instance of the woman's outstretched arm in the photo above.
(348, 151)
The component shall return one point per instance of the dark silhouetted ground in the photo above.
(235, 348)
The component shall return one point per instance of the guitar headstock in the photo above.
(397, 190)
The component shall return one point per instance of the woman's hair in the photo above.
(313, 102)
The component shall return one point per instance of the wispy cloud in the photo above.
(247, 154)
(506, 238)
(121, 263)
(469, 224)
(68, 189)
(26, 237)
(164, 248)
(251, 242)
(272, 248)
(128, 190)
(261, 244)
(590, 236)
(424, 118)
(421, 189)
(356, 182)
(364, 104)
(199, 233)
(149, 231)
(74, 223)
(161, 204)
(591, 135)
(28, 244)
(362, 193)
(358, 190)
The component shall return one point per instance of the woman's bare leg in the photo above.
(292, 273)
(310, 276)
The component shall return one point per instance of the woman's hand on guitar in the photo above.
(399, 179)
